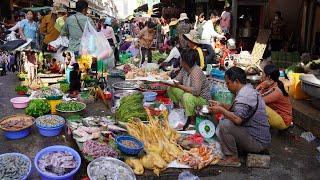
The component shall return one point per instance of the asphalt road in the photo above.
(291, 157)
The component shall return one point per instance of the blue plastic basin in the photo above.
(50, 132)
(17, 134)
(150, 96)
(25, 157)
(68, 176)
(128, 150)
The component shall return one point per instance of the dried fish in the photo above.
(57, 163)
(13, 167)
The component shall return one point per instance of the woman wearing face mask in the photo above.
(279, 108)
(28, 29)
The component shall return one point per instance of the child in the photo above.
(75, 84)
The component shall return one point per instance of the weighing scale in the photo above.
(206, 129)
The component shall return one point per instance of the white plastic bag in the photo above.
(177, 118)
(95, 44)
(60, 41)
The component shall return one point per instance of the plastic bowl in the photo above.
(20, 102)
(23, 156)
(17, 134)
(126, 149)
(47, 176)
(150, 96)
(50, 132)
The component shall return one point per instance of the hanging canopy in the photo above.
(143, 8)
(37, 9)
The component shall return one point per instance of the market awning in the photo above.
(37, 9)
(143, 8)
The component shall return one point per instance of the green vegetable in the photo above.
(70, 106)
(131, 107)
(294, 69)
(38, 107)
(64, 87)
(21, 89)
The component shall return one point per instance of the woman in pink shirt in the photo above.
(108, 32)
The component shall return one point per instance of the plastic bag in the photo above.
(308, 136)
(186, 175)
(95, 44)
(60, 41)
(177, 118)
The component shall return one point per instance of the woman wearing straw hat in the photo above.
(193, 41)
(184, 27)
(173, 28)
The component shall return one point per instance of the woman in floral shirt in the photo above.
(191, 89)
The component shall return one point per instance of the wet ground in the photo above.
(291, 156)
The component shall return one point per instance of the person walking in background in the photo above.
(208, 35)
(173, 28)
(108, 33)
(62, 16)
(47, 27)
(277, 32)
(12, 62)
(146, 36)
(225, 20)
(183, 27)
(74, 26)
(28, 29)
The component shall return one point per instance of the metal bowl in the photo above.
(125, 85)
(122, 93)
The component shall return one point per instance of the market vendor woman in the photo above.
(191, 89)
(279, 108)
(245, 124)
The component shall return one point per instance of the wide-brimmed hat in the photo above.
(193, 36)
(58, 8)
(173, 22)
(183, 16)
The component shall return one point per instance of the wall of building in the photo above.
(316, 27)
